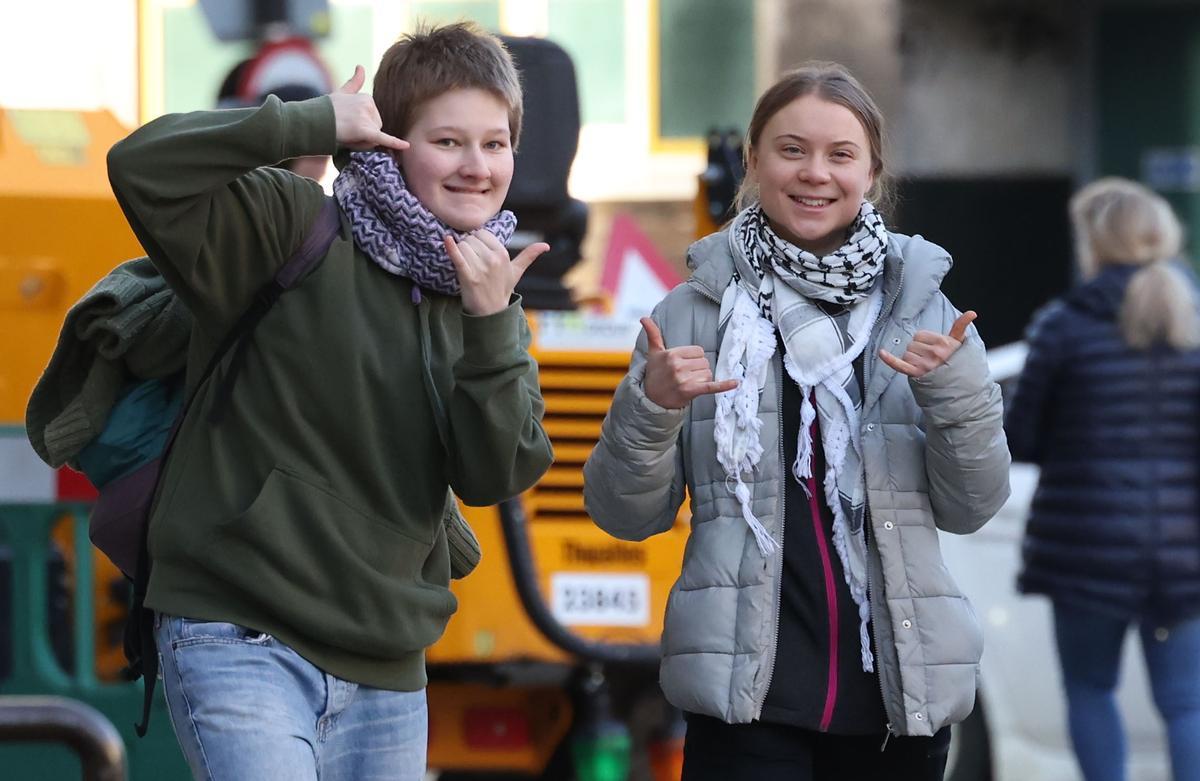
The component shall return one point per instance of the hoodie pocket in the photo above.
(332, 572)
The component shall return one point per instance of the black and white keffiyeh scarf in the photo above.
(395, 229)
(776, 286)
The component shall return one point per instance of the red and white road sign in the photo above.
(635, 275)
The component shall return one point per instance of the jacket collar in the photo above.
(1101, 296)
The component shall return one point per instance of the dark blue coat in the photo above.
(1115, 524)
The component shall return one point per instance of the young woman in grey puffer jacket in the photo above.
(849, 417)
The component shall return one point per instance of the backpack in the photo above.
(125, 459)
(123, 462)
(129, 454)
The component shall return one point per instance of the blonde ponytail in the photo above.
(1118, 221)
(1160, 306)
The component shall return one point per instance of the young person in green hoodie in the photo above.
(299, 556)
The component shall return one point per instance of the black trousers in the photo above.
(716, 751)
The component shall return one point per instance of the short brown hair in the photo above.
(433, 60)
(834, 83)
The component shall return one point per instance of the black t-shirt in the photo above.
(801, 693)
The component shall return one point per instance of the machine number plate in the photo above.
(600, 599)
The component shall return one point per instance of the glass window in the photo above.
(485, 12)
(593, 33)
(706, 66)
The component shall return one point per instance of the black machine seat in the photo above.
(538, 195)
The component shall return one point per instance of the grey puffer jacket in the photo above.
(935, 458)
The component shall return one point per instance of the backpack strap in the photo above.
(314, 247)
(139, 644)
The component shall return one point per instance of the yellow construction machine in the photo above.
(548, 670)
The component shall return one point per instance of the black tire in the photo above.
(971, 748)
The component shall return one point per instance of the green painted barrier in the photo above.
(25, 532)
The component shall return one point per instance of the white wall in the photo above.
(968, 87)
(984, 91)
(79, 54)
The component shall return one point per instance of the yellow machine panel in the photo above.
(602, 589)
(60, 231)
(477, 727)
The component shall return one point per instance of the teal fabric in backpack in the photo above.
(136, 430)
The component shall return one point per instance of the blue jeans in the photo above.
(245, 706)
(1089, 650)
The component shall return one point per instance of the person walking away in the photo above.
(1108, 405)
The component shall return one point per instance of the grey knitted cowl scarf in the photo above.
(396, 230)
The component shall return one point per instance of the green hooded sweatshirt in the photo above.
(313, 511)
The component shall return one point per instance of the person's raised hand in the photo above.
(356, 118)
(928, 350)
(485, 273)
(677, 375)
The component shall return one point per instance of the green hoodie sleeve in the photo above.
(499, 446)
(215, 222)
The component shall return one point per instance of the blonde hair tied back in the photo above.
(1121, 222)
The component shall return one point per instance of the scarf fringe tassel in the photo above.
(737, 424)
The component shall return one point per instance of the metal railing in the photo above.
(80, 727)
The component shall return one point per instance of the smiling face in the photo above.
(460, 162)
(813, 166)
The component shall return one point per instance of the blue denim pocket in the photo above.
(189, 631)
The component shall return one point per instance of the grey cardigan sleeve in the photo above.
(966, 454)
(633, 481)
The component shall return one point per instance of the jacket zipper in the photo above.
(698, 287)
(779, 554)
(831, 603)
(870, 585)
